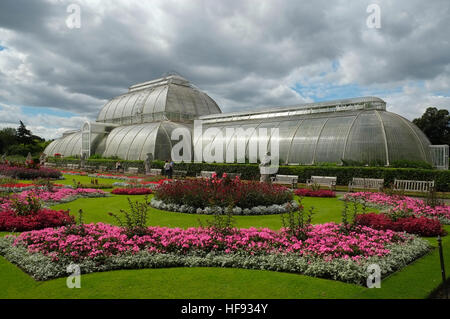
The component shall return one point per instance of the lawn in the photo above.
(417, 280)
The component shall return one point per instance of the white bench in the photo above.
(155, 172)
(291, 180)
(73, 166)
(49, 164)
(413, 186)
(366, 183)
(102, 168)
(328, 181)
(132, 170)
(206, 174)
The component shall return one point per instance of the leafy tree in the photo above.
(8, 137)
(436, 125)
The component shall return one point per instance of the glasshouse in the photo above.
(141, 122)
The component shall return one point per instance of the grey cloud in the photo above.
(243, 53)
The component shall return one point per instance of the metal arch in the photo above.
(348, 133)
(384, 137)
(76, 143)
(149, 92)
(112, 136)
(130, 129)
(69, 141)
(117, 101)
(161, 89)
(124, 105)
(318, 139)
(165, 131)
(131, 143)
(300, 122)
(153, 128)
(415, 134)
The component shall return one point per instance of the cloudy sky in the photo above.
(244, 54)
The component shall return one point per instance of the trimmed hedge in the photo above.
(251, 171)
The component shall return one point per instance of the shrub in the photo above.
(135, 220)
(22, 172)
(10, 220)
(303, 192)
(421, 226)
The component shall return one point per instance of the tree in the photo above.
(8, 137)
(24, 135)
(436, 125)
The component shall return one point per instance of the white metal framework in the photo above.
(439, 156)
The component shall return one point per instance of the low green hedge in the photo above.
(344, 174)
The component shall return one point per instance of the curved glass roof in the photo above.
(170, 98)
(68, 145)
(365, 136)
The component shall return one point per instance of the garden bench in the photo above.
(155, 172)
(366, 183)
(179, 174)
(206, 174)
(49, 164)
(103, 168)
(413, 186)
(328, 181)
(73, 166)
(291, 180)
(132, 170)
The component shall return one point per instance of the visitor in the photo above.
(166, 169)
(263, 168)
(172, 164)
(118, 166)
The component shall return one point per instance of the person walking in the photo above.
(118, 166)
(167, 169)
(172, 164)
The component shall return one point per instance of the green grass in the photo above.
(417, 280)
(96, 210)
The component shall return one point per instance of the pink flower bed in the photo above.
(57, 195)
(399, 204)
(314, 193)
(131, 191)
(325, 241)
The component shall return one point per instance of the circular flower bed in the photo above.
(217, 195)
